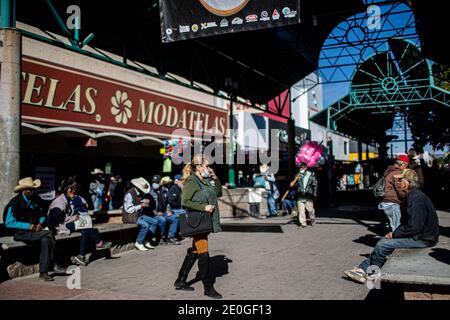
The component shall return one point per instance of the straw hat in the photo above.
(141, 184)
(166, 180)
(97, 171)
(264, 168)
(27, 183)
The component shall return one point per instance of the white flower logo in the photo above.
(121, 107)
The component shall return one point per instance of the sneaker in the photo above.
(80, 260)
(357, 274)
(103, 245)
(59, 270)
(302, 226)
(140, 247)
(148, 245)
(45, 277)
(173, 241)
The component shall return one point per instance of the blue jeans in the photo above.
(162, 224)
(177, 212)
(174, 221)
(392, 211)
(272, 205)
(98, 203)
(147, 224)
(385, 247)
(86, 235)
(289, 205)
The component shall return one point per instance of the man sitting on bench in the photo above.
(420, 231)
(25, 215)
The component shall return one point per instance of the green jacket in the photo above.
(196, 198)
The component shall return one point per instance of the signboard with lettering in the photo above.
(58, 95)
(188, 19)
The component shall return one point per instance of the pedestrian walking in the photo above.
(97, 189)
(201, 189)
(307, 190)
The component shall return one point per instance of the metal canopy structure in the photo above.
(331, 39)
(389, 82)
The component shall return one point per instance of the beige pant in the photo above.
(305, 206)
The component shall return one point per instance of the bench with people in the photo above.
(28, 224)
(414, 234)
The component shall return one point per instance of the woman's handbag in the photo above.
(195, 222)
(84, 222)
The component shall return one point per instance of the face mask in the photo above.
(302, 171)
(155, 186)
(205, 174)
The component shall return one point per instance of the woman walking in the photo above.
(201, 188)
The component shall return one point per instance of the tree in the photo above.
(430, 124)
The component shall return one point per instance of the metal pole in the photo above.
(7, 13)
(231, 172)
(291, 140)
(406, 133)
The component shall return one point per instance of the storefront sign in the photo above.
(199, 18)
(60, 96)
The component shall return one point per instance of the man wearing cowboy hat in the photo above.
(97, 189)
(419, 230)
(163, 211)
(25, 215)
(137, 208)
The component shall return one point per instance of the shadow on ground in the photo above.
(441, 255)
(254, 227)
(219, 266)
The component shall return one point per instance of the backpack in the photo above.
(378, 188)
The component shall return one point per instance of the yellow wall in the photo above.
(354, 156)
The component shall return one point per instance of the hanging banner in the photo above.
(186, 19)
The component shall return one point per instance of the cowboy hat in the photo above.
(27, 183)
(264, 168)
(166, 180)
(97, 171)
(141, 184)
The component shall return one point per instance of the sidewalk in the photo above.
(279, 261)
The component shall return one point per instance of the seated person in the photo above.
(420, 231)
(290, 203)
(138, 208)
(62, 214)
(24, 214)
(159, 192)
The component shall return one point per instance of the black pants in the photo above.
(47, 243)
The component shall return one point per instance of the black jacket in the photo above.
(174, 197)
(311, 190)
(24, 213)
(421, 219)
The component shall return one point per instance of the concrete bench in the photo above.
(422, 273)
(19, 259)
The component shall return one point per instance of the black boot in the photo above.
(189, 260)
(204, 266)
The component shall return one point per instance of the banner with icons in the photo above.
(187, 19)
